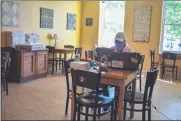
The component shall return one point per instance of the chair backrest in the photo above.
(89, 54)
(78, 51)
(51, 49)
(66, 68)
(141, 63)
(169, 56)
(4, 61)
(152, 57)
(86, 79)
(150, 82)
(69, 46)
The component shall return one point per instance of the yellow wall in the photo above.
(89, 35)
(30, 21)
(143, 48)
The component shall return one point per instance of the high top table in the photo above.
(64, 51)
(118, 78)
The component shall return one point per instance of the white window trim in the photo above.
(162, 30)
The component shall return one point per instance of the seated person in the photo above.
(120, 46)
(120, 43)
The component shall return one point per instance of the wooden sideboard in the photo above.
(29, 65)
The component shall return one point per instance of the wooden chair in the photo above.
(78, 51)
(152, 57)
(89, 54)
(69, 47)
(140, 69)
(166, 67)
(5, 61)
(143, 99)
(69, 90)
(54, 60)
(90, 80)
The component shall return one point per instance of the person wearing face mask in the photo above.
(120, 43)
(120, 46)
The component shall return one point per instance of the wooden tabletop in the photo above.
(115, 73)
(64, 50)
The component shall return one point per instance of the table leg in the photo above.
(65, 56)
(134, 91)
(72, 106)
(120, 106)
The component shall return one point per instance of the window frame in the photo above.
(162, 30)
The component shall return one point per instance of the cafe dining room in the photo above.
(91, 60)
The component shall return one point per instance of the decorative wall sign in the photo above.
(89, 21)
(71, 21)
(46, 18)
(10, 13)
(142, 22)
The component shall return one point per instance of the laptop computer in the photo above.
(125, 60)
(101, 51)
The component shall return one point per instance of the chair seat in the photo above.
(137, 99)
(88, 99)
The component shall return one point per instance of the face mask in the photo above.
(119, 45)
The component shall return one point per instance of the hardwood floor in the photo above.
(44, 99)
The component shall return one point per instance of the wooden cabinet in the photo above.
(29, 65)
(41, 62)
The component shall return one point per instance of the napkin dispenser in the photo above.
(80, 65)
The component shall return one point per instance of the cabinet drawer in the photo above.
(41, 62)
(27, 64)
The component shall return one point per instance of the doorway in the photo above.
(111, 21)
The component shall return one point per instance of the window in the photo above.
(171, 27)
(111, 21)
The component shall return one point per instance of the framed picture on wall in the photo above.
(10, 15)
(142, 23)
(89, 21)
(46, 18)
(71, 21)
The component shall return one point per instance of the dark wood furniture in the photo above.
(167, 67)
(141, 69)
(69, 90)
(89, 54)
(53, 59)
(117, 78)
(78, 51)
(91, 100)
(142, 99)
(64, 51)
(4, 71)
(178, 58)
(29, 65)
(152, 59)
(69, 47)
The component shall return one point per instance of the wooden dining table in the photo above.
(64, 51)
(160, 61)
(117, 78)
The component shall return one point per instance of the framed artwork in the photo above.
(10, 15)
(89, 21)
(142, 23)
(71, 21)
(46, 18)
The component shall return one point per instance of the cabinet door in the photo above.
(41, 62)
(27, 64)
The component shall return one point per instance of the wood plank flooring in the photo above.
(44, 99)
